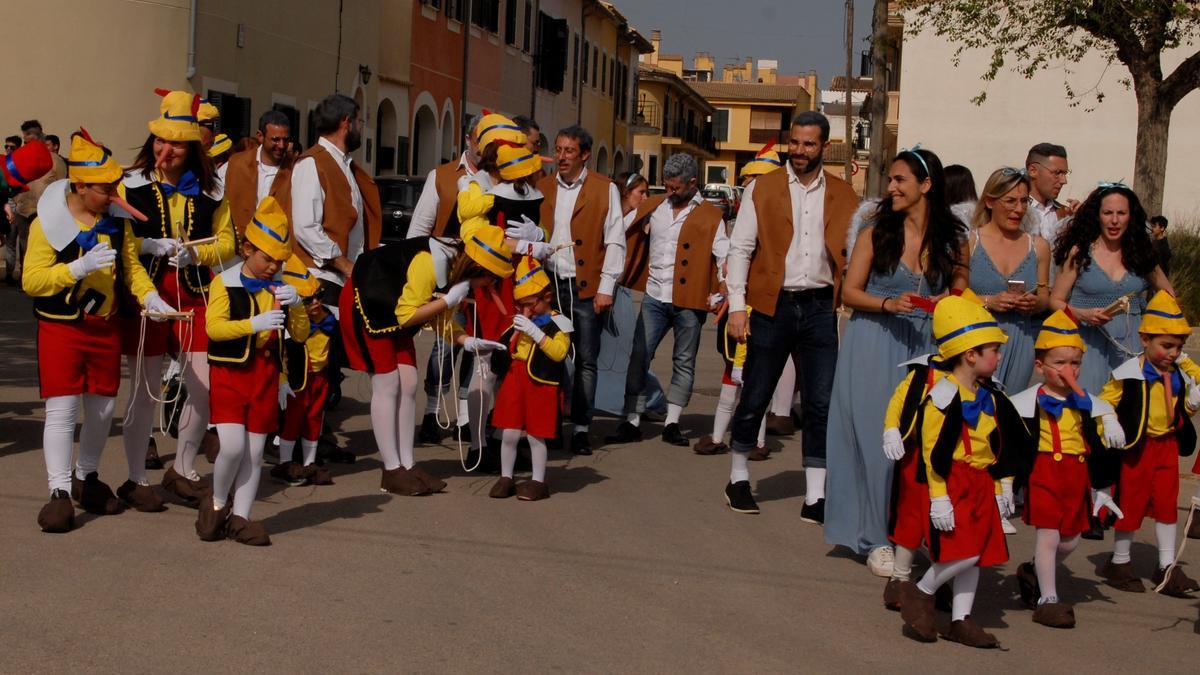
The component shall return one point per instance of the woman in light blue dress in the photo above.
(1103, 255)
(1010, 271)
(912, 246)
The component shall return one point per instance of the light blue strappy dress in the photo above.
(859, 478)
(1016, 365)
(1112, 344)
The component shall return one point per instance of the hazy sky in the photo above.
(801, 34)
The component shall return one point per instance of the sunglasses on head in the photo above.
(632, 180)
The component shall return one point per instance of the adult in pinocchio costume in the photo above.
(172, 181)
(81, 257)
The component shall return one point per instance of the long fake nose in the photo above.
(1069, 377)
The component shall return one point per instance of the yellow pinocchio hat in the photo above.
(498, 128)
(1059, 330)
(177, 119)
(207, 112)
(1164, 317)
(960, 323)
(296, 273)
(515, 161)
(90, 162)
(485, 245)
(221, 145)
(531, 278)
(269, 230)
(766, 161)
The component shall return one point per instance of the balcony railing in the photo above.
(765, 136)
(648, 115)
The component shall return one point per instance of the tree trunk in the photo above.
(877, 113)
(1150, 162)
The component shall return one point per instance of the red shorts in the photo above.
(727, 376)
(158, 335)
(977, 530)
(1059, 496)
(908, 521)
(1149, 484)
(306, 411)
(368, 353)
(247, 394)
(79, 358)
(525, 404)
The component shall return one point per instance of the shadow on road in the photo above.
(318, 513)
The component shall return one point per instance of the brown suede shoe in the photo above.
(1055, 615)
(1121, 577)
(503, 488)
(153, 461)
(532, 491)
(780, 425)
(1027, 585)
(210, 523)
(708, 446)
(248, 532)
(210, 445)
(759, 454)
(58, 515)
(201, 485)
(179, 486)
(916, 608)
(891, 594)
(401, 481)
(94, 495)
(432, 484)
(140, 497)
(316, 475)
(288, 473)
(1178, 584)
(967, 632)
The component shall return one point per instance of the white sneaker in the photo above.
(881, 561)
(1007, 526)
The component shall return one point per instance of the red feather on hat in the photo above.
(161, 92)
(195, 104)
(485, 112)
(1070, 314)
(765, 149)
(86, 136)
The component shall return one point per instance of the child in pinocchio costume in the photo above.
(971, 437)
(247, 311)
(1070, 424)
(303, 391)
(1148, 392)
(734, 355)
(80, 258)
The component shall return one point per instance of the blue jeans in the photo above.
(585, 339)
(804, 326)
(654, 320)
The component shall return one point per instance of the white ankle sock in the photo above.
(740, 469)
(286, 449)
(634, 418)
(310, 451)
(463, 415)
(815, 479)
(673, 413)
(1122, 543)
(581, 428)
(725, 404)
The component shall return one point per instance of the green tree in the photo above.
(1034, 34)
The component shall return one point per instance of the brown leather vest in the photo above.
(445, 179)
(695, 269)
(587, 227)
(241, 189)
(340, 215)
(772, 203)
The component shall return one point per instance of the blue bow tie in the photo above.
(328, 324)
(87, 239)
(255, 285)
(983, 404)
(1054, 405)
(187, 186)
(1152, 375)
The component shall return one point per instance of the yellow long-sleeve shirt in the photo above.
(1160, 417)
(221, 328)
(317, 346)
(981, 456)
(554, 347)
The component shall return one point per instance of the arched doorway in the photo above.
(602, 161)
(386, 135)
(425, 141)
(449, 131)
(618, 163)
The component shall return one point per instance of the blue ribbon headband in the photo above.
(966, 329)
(1105, 185)
(913, 151)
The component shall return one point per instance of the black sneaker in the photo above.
(813, 513)
(627, 432)
(581, 444)
(430, 433)
(738, 496)
(673, 436)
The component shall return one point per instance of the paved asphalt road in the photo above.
(634, 565)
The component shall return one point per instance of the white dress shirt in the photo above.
(562, 264)
(218, 189)
(266, 176)
(807, 265)
(424, 217)
(665, 227)
(1043, 219)
(308, 214)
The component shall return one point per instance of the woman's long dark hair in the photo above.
(1137, 251)
(198, 162)
(943, 233)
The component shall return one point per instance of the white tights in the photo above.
(237, 468)
(139, 414)
(508, 454)
(1050, 550)
(58, 436)
(725, 406)
(480, 397)
(785, 390)
(193, 421)
(966, 579)
(394, 415)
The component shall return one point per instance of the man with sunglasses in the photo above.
(1048, 172)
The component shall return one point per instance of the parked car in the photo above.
(398, 196)
(656, 190)
(723, 197)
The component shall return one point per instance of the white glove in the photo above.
(160, 247)
(536, 249)
(1114, 435)
(286, 295)
(736, 376)
(1005, 500)
(456, 294)
(269, 320)
(714, 300)
(155, 305)
(528, 327)
(285, 392)
(1102, 498)
(893, 445)
(524, 230)
(941, 512)
(183, 257)
(101, 257)
(481, 346)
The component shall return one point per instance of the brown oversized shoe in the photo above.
(58, 515)
(210, 445)
(1055, 615)
(1027, 585)
(708, 446)
(140, 497)
(759, 454)
(179, 486)
(916, 608)
(967, 632)
(153, 461)
(210, 523)
(1121, 577)
(401, 481)
(432, 484)
(1178, 584)
(316, 475)
(503, 488)
(780, 425)
(891, 594)
(288, 473)
(532, 491)
(248, 532)
(94, 495)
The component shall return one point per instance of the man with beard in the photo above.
(786, 256)
(676, 250)
(254, 174)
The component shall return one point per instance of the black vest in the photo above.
(379, 276)
(541, 368)
(1133, 412)
(64, 306)
(197, 224)
(295, 358)
(236, 352)
(514, 209)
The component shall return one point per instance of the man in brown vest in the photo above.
(676, 251)
(786, 256)
(583, 210)
(252, 175)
